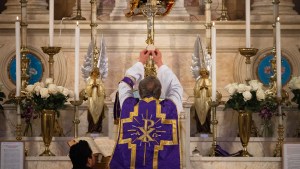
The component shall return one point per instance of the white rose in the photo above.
(41, 84)
(30, 88)
(44, 93)
(247, 95)
(292, 82)
(260, 95)
(52, 88)
(248, 88)
(297, 83)
(60, 89)
(71, 94)
(254, 84)
(231, 88)
(49, 81)
(66, 92)
(241, 88)
(37, 90)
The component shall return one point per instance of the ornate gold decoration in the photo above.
(136, 5)
(51, 51)
(47, 127)
(224, 13)
(78, 12)
(24, 68)
(76, 121)
(244, 122)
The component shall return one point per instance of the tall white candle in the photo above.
(51, 21)
(213, 60)
(77, 43)
(248, 31)
(278, 58)
(18, 58)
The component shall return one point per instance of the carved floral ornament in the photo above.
(136, 5)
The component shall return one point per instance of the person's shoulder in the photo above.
(168, 102)
(131, 101)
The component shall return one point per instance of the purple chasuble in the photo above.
(148, 136)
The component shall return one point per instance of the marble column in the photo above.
(36, 9)
(85, 9)
(179, 10)
(118, 10)
(12, 7)
(265, 7)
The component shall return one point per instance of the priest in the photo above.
(148, 127)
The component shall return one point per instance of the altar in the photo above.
(260, 147)
(175, 36)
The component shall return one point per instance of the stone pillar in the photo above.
(179, 10)
(85, 9)
(265, 7)
(118, 11)
(36, 9)
(12, 7)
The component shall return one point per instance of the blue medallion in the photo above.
(264, 70)
(35, 69)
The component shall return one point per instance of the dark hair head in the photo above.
(79, 154)
(150, 87)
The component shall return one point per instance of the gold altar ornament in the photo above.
(164, 5)
(51, 51)
(47, 125)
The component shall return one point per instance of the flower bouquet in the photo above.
(48, 96)
(294, 85)
(245, 97)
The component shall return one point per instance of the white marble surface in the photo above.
(198, 162)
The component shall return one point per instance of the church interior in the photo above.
(232, 42)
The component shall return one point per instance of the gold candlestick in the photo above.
(224, 14)
(248, 53)
(78, 13)
(51, 51)
(280, 130)
(76, 121)
(214, 123)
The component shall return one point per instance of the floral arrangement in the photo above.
(47, 96)
(268, 108)
(2, 96)
(245, 97)
(294, 85)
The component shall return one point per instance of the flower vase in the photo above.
(47, 127)
(244, 122)
(266, 129)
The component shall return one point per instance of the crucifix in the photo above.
(149, 10)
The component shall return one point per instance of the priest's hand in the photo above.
(144, 55)
(157, 58)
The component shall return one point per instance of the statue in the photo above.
(136, 4)
(202, 94)
(202, 90)
(94, 92)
